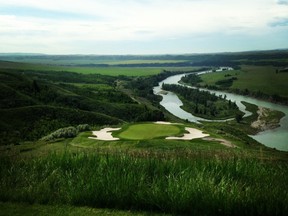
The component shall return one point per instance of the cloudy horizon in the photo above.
(142, 26)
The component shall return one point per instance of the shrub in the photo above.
(83, 127)
(67, 132)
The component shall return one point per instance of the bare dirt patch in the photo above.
(222, 141)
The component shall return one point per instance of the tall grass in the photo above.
(172, 185)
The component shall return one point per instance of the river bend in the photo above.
(275, 138)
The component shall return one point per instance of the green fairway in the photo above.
(149, 131)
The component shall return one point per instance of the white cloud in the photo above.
(138, 20)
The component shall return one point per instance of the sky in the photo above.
(142, 26)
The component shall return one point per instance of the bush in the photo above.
(67, 132)
(83, 127)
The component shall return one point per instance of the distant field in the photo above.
(253, 78)
(149, 131)
(79, 61)
(112, 71)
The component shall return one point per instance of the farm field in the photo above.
(110, 70)
(253, 78)
(84, 60)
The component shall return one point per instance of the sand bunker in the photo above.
(193, 134)
(105, 134)
(166, 123)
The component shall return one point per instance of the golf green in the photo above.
(149, 131)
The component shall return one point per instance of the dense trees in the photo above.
(203, 103)
(191, 79)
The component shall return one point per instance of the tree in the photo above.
(239, 117)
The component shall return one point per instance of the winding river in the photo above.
(275, 138)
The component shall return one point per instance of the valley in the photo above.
(53, 109)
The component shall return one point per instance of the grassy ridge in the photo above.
(172, 185)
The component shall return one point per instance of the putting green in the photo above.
(149, 131)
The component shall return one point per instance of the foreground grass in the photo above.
(177, 185)
(25, 209)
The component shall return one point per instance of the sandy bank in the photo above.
(262, 122)
(166, 123)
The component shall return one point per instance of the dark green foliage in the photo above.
(64, 95)
(181, 186)
(83, 127)
(238, 117)
(226, 83)
(154, 115)
(33, 104)
(30, 123)
(203, 103)
(143, 86)
(191, 79)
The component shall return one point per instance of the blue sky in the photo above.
(142, 26)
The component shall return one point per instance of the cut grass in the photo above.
(149, 131)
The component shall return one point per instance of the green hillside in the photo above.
(34, 103)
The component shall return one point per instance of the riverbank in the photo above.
(268, 119)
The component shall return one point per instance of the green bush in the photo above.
(67, 132)
(83, 127)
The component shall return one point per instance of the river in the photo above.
(275, 138)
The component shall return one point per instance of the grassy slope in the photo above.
(178, 184)
(162, 175)
(34, 104)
